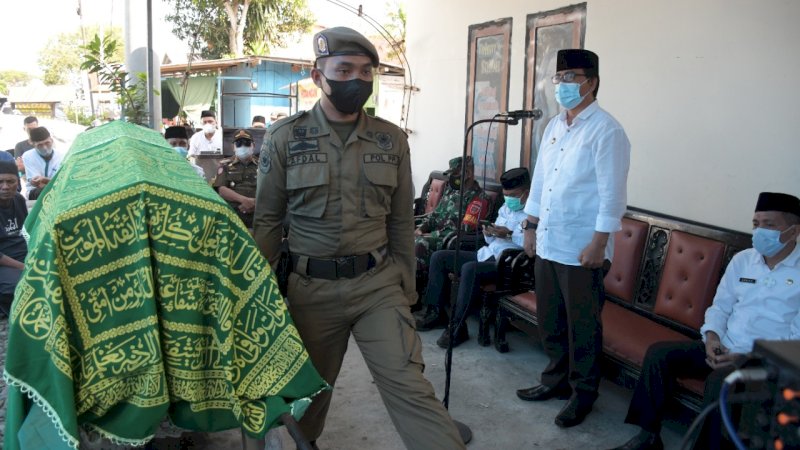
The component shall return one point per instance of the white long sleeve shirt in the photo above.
(494, 245)
(36, 166)
(754, 302)
(579, 184)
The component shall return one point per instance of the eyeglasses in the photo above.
(566, 77)
(243, 142)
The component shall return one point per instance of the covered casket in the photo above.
(145, 297)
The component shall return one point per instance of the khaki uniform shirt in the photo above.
(238, 176)
(343, 199)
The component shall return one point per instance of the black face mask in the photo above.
(348, 97)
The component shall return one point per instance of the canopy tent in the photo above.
(145, 297)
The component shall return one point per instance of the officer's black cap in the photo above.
(515, 178)
(344, 41)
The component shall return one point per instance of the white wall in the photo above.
(706, 91)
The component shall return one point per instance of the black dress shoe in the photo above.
(541, 392)
(573, 412)
(461, 335)
(645, 440)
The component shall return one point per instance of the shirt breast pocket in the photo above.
(308, 187)
(380, 181)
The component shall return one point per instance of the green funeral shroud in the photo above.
(145, 297)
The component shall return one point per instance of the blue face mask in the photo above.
(513, 203)
(768, 242)
(568, 95)
(181, 151)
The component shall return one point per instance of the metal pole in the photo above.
(151, 110)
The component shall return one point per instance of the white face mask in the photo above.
(244, 152)
(209, 128)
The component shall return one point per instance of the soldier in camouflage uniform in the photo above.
(236, 178)
(445, 219)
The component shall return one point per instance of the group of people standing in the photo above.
(342, 181)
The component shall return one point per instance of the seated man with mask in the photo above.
(758, 297)
(236, 178)
(43, 163)
(476, 267)
(446, 218)
(178, 139)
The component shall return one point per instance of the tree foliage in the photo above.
(230, 28)
(132, 95)
(10, 78)
(60, 59)
(396, 28)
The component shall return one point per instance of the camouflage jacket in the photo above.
(446, 216)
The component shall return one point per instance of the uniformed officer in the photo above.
(236, 178)
(344, 178)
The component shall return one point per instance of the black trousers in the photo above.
(663, 364)
(569, 302)
(473, 274)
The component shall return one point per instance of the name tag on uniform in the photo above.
(747, 280)
(382, 158)
(309, 145)
(310, 158)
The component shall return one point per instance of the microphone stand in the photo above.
(463, 429)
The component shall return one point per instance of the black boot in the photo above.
(461, 335)
(434, 317)
(645, 440)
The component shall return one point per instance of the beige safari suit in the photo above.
(346, 200)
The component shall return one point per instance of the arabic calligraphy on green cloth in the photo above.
(145, 296)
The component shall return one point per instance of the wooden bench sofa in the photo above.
(663, 277)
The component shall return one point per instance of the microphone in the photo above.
(535, 114)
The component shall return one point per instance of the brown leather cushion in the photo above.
(627, 335)
(620, 282)
(435, 191)
(689, 278)
(526, 300)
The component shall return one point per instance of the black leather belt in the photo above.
(336, 268)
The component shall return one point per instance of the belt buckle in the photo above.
(345, 267)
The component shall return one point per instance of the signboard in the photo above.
(41, 110)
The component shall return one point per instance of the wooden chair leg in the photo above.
(500, 327)
(486, 317)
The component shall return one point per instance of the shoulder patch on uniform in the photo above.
(265, 160)
(286, 120)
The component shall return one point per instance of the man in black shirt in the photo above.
(29, 123)
(13, 248)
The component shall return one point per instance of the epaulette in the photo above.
(382, 120)
(286, 120)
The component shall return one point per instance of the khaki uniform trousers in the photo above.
(373, 308)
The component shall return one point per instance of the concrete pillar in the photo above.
(137, 31)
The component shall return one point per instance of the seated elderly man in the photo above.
(476, 267)
(43, 163)
(757, 298)
(236, 178)
(445, 219)
(13, 248)
(178, 139)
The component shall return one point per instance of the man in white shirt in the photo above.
(209, 140)
(479, 266)
(42, 163)
(578, 197)
(757, 298)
